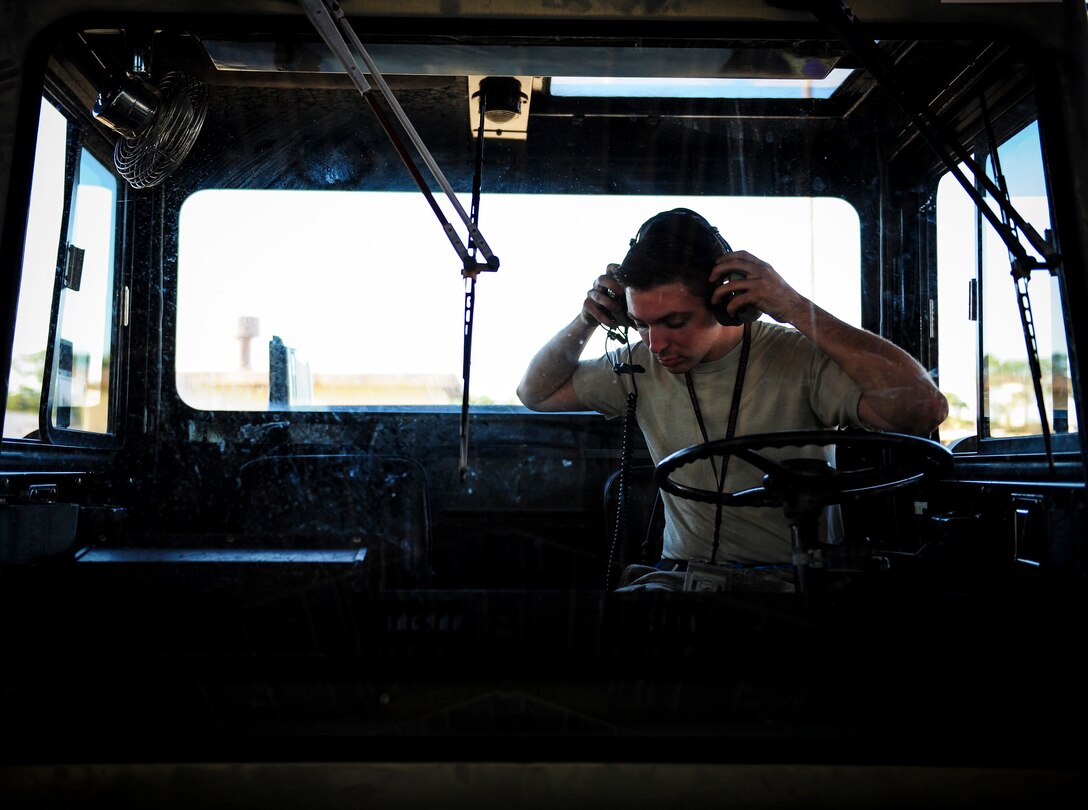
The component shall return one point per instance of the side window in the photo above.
(984, 367)
(85, 315)
(66, 328)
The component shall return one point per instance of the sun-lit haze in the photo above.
(367, 289)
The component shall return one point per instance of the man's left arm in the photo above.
(896, 392)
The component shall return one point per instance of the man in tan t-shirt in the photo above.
(681, 287)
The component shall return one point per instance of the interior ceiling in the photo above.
(296, 59)
(303, 53)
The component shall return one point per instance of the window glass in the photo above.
(623, 87)
(85, 322)
(38, 274)
(364, 291)
(957, 272)
(984, 363)
(83, 306)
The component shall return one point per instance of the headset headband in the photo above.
(683, 213)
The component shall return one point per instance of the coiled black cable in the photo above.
(619, 528)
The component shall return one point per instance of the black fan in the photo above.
(158, 125)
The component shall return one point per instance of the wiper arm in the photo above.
(331, 23)
(1021, 276)
(838, 16)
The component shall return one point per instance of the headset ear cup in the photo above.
(722, 315)
(746, 314)
(720, 308)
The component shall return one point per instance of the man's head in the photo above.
(666, 273)
(677, 245)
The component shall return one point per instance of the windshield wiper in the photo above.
(1021, 276)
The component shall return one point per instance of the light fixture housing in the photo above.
(506, 104)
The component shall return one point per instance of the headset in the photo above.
(677, 221)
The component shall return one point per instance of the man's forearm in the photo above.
(554, 365)
(897, 393)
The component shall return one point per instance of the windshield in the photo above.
(365, 289)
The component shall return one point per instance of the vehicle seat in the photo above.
(645, 516)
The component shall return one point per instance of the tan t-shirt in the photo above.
(789, 384)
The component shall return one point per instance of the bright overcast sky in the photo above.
(368, 283)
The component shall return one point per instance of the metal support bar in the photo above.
(470, 292)
(332, 24)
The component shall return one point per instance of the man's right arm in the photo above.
(548, 384)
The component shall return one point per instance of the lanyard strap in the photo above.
(734, 408)
(731, 425)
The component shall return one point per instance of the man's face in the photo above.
(677, 326)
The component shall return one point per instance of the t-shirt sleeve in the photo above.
(835, 397)
(599, 388)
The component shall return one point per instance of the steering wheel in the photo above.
(801, 485)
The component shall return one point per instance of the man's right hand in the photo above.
(606, 302)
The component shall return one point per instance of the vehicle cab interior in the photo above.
(270, 274)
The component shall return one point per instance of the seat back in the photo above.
(644, 516)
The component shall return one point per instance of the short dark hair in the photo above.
(677, 245)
